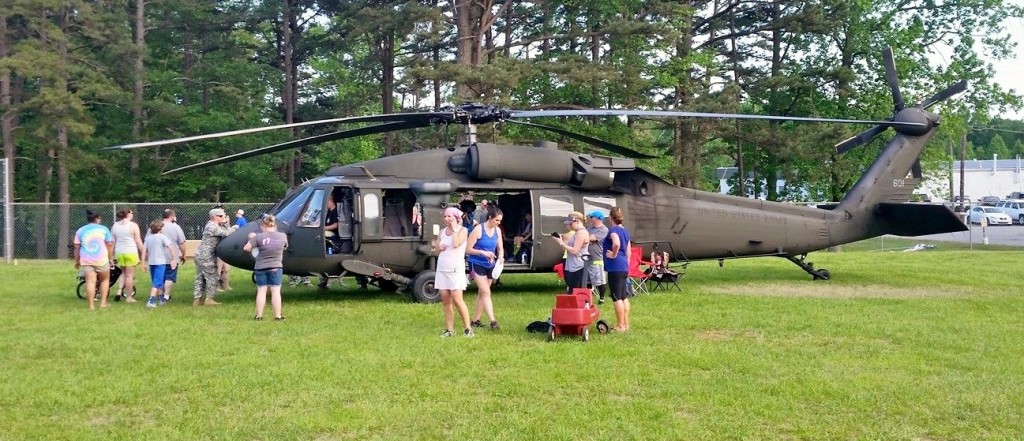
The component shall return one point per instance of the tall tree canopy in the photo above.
(76, 76)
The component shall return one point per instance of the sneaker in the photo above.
(447, 333)
(279, 319)
(151, 303)
(476, 324)
(468, 333)
(258, 318)
(600, 301)
(211, 302)
(163, 301)
(495, 326)
(197, 302)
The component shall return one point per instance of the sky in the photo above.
(1010, 73)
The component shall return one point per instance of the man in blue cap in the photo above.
(595, 270)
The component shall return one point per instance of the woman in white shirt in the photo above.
(127, 244)
(450, 277)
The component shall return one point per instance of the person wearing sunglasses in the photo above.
(207, 277)
(576, 251)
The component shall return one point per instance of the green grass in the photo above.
(922, 345)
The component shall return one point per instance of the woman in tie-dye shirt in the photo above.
(94, 249)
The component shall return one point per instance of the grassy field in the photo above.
(922, 345)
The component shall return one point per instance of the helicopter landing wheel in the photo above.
(422, 288)
(822, 274)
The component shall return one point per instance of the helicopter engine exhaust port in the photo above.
(489, 161)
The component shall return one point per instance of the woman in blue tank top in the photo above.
(484, 249)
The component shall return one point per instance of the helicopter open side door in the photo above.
(306, 237)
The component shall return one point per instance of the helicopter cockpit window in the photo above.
(288, 212)
(311, 216)
(371, 214)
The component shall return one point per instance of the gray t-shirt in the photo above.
(156, 249)
(176, 235)
(595, 248)
(271, 245)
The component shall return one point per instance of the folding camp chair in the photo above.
(660, 274)
(636, 275)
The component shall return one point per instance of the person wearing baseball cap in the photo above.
(576, 251)
(595, 270)
(207, 277)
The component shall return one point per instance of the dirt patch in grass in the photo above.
(727, 334)
(825, 290)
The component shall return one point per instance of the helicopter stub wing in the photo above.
(919, 219)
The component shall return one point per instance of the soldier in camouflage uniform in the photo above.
(207, 278)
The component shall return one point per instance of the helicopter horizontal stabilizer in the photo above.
(919, 219)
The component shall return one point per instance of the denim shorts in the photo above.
(171, 275)
(268, 277)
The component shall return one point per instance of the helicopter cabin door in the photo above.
(550, 208)
(307, 239)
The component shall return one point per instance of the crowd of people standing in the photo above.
(472, 241)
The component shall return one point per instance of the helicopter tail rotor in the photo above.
(892, 80)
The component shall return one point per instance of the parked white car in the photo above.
(1014, 209)
(994, 215)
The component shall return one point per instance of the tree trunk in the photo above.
(140, 78)
(186, 66)
(63, 180)
(385, 46)
(288, 88)
(7, 113)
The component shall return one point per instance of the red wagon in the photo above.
(573, 314)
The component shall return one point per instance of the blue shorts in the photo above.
(171, 275)
(268, 277)
(157, 275)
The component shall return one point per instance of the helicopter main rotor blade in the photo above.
(678, 114)
(892, 79)
(421, 117)
(312, 140)
(614, 148)
(945, 94)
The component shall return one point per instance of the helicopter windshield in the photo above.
(288, 212)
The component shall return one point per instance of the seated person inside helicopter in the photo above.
(522, 242)
(338, 223)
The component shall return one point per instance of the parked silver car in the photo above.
(994, 216)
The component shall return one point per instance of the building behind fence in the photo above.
(46, 231)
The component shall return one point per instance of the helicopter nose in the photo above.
(230, 248)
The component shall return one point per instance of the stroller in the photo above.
(115, 273)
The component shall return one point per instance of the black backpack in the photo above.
(538, 326)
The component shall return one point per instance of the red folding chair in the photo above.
(636, 274)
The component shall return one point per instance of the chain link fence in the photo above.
(46, 231)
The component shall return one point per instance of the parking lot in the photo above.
(1001, 235)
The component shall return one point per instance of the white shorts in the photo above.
(452, 280)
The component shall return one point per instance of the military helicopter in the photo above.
(378, 240)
